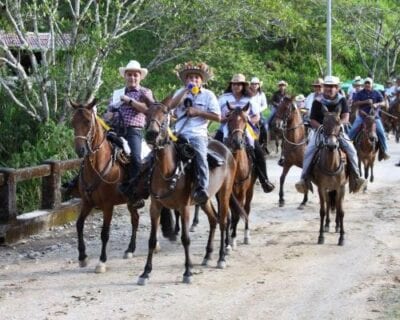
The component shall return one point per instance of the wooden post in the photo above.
(51, 186)
(8, 196)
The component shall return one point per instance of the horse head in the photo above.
(331, 128)
(236, 121)
(157, 123)
(369, 126)
(284, 111)
(84, 124)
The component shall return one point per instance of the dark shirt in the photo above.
(317, 109)
(277, 98)
(363, 94)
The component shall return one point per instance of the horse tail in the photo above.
(167, 223)
(332, 199)
(237, 209)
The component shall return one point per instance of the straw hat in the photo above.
(331, 81)
(318, 82)
(239, 78)
(282, 82)
(133, 65)
(256, 81)
(300, 98)
(202, 69)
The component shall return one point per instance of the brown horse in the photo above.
(98, 180)
(394, 118)
(366, 144)
(171, 184)
(290, 121)
(330, 175)
(245, 174)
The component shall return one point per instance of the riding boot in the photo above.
(356, 182)
(382, 155)
(261, 168)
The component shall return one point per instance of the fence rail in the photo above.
(51, 172)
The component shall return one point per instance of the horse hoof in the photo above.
(233, 243)
(341, 242)
(326, 229)
(142, 281)
(187, 279)
(83, 263)
(247, 240)
(157, 249)
(300, 207)
(221, 265)
(337, 229)
(100, 268)
(321, 240)
(192, 229)
(128, 255)
(281, 204)
(205, 262)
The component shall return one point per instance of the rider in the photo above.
(277, 98)
(237, 95)
(193, 118)
(366, 99)
(331, 99)
(126, 114)
(317, 92)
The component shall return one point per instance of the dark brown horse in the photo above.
(98, 180)
(330, 175)
(394, 118)
(171, 185)
(245, 174)
(289, 120)
(366, 144)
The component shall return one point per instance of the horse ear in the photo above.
(91, 104)
(338, 110)
(324, 109)
(73, 104)
(363, 113)
(167, 102)
(229, 106)
(246, 107)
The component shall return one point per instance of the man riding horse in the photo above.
(332, 100)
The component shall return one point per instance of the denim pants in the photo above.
(270, 118)
(311, 148)
(134, 137)
(200, 145)
(380, 131)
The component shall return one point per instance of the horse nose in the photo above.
(80, 152)
(151, 135)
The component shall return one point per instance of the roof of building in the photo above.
(35, 42)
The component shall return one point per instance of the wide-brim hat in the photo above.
(300, 98)
(282, 82)
(331, 81)
(133, 65)
(202, 69)
(370, 80)
(239, 78)
(318, 82)
(255, 80)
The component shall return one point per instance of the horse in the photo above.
(99, 178)
(246, 176)
(290, 121)
(329, 174)
(394, 116)
(366, 144)
(171, 183)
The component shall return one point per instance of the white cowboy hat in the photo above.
(369, 80)
(318, 82)
(256, 81)
(202, 69)
(133, 65)
(282, 82)
(300, 98)
(331, 81)
(239, 78)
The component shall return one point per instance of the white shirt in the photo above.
(206, 101)
(261, 100)
(229, 97)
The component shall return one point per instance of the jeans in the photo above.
(311, 148)
(380, 131)
(134, 137)
(200, 145)
(271, 117)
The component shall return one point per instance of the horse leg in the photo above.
(195, 221)
(185, 217)
(235, 220)
(177, 217)
(340, 213)
(304, 202)
(249, 197)
(209, 209)
(371, 179)
(223, 208)
(135, 223)
(85, 210)
(154, 217)
(322, 202)
(366, 171)
(281, 184)
(105, 234)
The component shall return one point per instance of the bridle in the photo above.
(241, 142)
(162, 129)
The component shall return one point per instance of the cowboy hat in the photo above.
(369, 80)
(133, 65)
(282, 82)
(300, 98)
(239, 78)
(331, 81)
(318, 82)
(256, 81)
(202, 69)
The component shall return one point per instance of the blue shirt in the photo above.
(362, 95)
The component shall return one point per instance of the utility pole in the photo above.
(328, 37)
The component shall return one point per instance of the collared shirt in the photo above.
(206, 101)
(363, 94)
(317, 107)
(229, 97)
(277, 98)
(130, 117)
(260, 100)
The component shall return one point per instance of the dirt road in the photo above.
(282, 274)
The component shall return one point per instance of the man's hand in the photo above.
(193, 112)
(126, 99)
